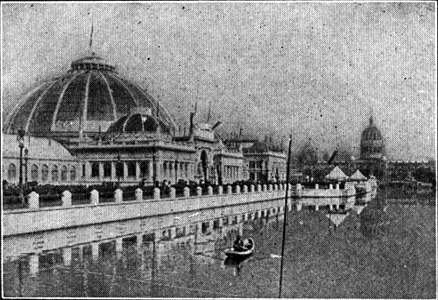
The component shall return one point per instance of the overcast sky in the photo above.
(313, 70)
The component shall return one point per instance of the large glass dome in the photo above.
(85, 101)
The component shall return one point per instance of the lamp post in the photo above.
(20, 139)
(26, 158)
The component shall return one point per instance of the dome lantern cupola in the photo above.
(92, 62)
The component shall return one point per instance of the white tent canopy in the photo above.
(336, 174)
(358, 176)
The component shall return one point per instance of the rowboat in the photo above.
(248, 243)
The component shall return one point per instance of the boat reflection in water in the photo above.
(236, 263)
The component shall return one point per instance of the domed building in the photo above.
(83, 102)
(371, 143)
(372, 159)
(114, 131)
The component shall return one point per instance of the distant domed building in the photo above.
(113, 131)
(371, 143)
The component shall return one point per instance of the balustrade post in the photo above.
(270, 187)
(118, 195)
(237, 189)
(259, 188)
(34, 200)
(220, 190)
(66, 198)
(245, 189)
(229, 189)
(251, 188)
(199, 191)
(94, 196)
(172, 193)
(138, 194)
(186, 192)
(156, 193)
(210, 190)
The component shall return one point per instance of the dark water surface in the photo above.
(383, 250)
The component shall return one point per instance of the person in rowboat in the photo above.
(238, 244)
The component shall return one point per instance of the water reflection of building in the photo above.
(114, 131)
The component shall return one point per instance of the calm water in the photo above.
(383, 250)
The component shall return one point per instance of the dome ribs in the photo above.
(99, 101)
(88, 99)
(71, 105)
(83, 118)
(58, 104)
(126, 87)
(120, 96)
(113, 103)
(19, 115)
(26, 128)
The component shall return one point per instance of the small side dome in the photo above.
(139, 120)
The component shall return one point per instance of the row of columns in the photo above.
(174, 170)
(230, 172)
(114, 164)
(165, 170)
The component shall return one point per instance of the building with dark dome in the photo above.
(87, 100)
(372, 145)
(113, 131)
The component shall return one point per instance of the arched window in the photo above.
(94, 169)
(44, 173)
(181, 169)
(55, 173)
(12, 172)
(186, 170)
(144, 169)
(165, 169)
(64, 173)
(73, 173)
(200, 169)
(171, 169)
(34, 173)
(131, 168)
(107, 169)
(119, 169)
